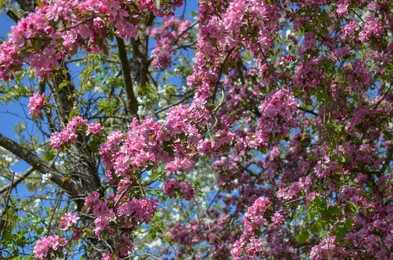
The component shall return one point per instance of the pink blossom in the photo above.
(167, 36)
(254, 217)
(125, 245)
(36, 103)
(342, 10)
(278, 116)
(185, 188)
(94, 129)
(69, 220)
(180, 164)
(92, 199)
(70, 133)
(106, 256)
(277, 219)
(327, 249)
(371, 28)
(45, 245)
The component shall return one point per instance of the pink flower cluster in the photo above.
(327, 249)
(253, 220)
(48, 247)
(242, 24)
(184, 188)
(171, 33)
(149, 143)
(117, 214)
(371, 28)
(85, 24)
(70, 133)
(124, 153)
(36, 102)
(68, 221)
(140, 210)
(160, 9)
(278, 116)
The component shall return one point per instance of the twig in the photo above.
(375, 105)
(132, 103)
(220, 74)
(16, 182)
(308, 111)
(175, 104)
(36, 162)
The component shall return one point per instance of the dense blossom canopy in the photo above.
(279, 146)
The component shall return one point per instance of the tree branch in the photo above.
(186, 97)
(221, 70)
(36, 162)
(132, 103)
(307, 111)
(13, 16)
(16, 182)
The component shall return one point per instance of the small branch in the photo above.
(36, 162)
(13, 16)
(175, 104)
(220, 74)
(3, 222)
(16, 182)
(132, 103)
(187, 29)
(308, 111)
(375, 105)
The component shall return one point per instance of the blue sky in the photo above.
(7, 120)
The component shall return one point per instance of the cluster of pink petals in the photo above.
(149, 143)
(118, 213)
(47, 245)
(90, 22)
(158, 9)
(70, 133)
(124, 153)
(229, 32)
(170, 34)
(69, 220)
(327, 249)
(371, 28)
(278, 117)
(253, 220)
(36, 102)
(185, 188)
(94, 129)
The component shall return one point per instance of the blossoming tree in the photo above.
(249, 129)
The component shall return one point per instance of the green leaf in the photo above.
(348, 224)
(40, 3)
(317, 226)
(303, 236)
(332, 210)
(343, 159)
(354, 206)
(63, 84)
(40, 230)
(170, 90)
(48, 155)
